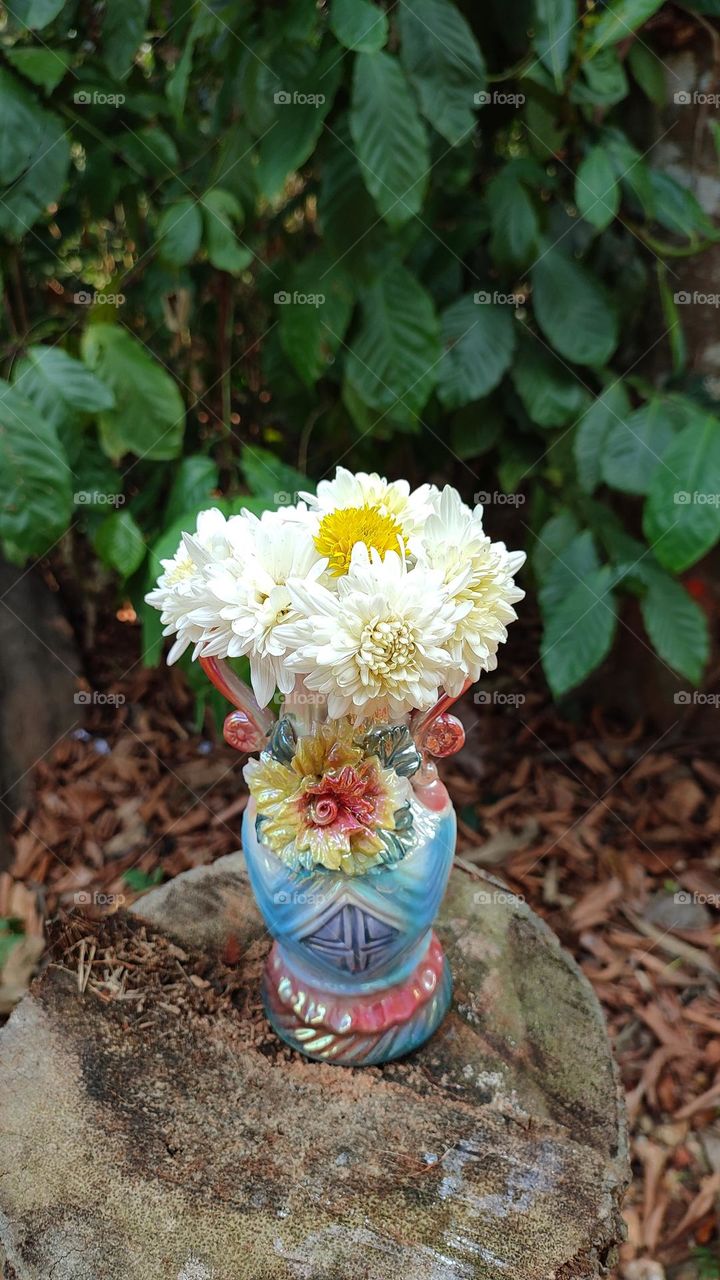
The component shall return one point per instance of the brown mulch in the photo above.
(598, 821)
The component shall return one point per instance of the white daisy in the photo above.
(394, 498)
(246, 598)
(454, 539)
(376, 644)
(180, 586)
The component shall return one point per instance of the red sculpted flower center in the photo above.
(324, 812)
(346, 799)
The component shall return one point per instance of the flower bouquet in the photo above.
(366, 610)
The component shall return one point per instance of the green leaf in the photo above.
(555, 24)
(631, 172)
(346, 212)
(573, 310)
(476, 429)
(120, 544)
(603, 81)
(676, 626)
(592, 431)
(45, 67)
(553, 538)
(617, 20)
(123, 29)
(671, 319)
(551, 394)
(515, 227)
(270, 477)
(393, 363)
(573, 561)
(11, 932)
(314, 315)
(36, 14)
(635, 447)
(220, 210)
(676, 208)
(35, 485)
(179, 232)
(479, 341)
(150, 152)
(597, 191)
(149, 414)
(140, 881)
(34, 158)
(394, 162)
(579, 631)
(59, 386)
(302, 100)
(359, 25)
(194, 480)
(444, 64)
(648, 70)
(681, 519)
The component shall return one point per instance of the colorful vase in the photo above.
(349, 839)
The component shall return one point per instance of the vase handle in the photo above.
(437, 733)
(247, 727)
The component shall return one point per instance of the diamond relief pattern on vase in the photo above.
(353, 940)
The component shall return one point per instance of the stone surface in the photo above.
(155, 1132)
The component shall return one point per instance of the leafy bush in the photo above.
(244, 241)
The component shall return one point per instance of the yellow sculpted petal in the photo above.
(270, 782)
(331, 747)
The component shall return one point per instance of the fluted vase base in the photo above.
(354, 1029)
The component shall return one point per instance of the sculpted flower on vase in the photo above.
(330, 804)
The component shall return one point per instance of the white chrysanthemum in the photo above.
(246, 598)
(180, 586)
(377, 644)
(362, 489)
(454, 540)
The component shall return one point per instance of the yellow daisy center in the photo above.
(340, 530)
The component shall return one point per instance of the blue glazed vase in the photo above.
(356, 974)
(349, 837)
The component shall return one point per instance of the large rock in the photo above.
(155, 1129)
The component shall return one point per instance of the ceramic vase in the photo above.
(356, 974)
